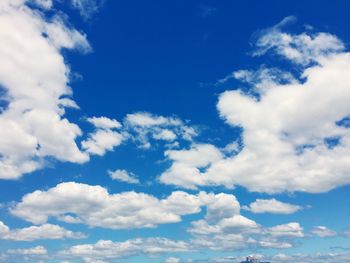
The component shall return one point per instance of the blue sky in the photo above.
(174, 131)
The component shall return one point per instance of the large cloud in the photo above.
(34, 80)
(109, 251)
(295, 137)
(93, 205)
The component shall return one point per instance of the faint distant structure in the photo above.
(250, 259)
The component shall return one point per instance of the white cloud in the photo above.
(291, 137)
(104, 122)
(300, 258)
(109, 250)
(32, 124)
(123, 176)
(87, 7)
(224, 228)
(144, 126)
(34, 251)
(46, 231)
(93, 205)
(272, 206)
(172, 260)
(323, 231)
(104, 138)
(302, 49)
(187, 164)
(287, 230)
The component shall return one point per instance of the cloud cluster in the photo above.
(107, 250)
(32, 123)
(104, 138)
(94, 206)
(46, 231)
(144, 127)
(294, 134)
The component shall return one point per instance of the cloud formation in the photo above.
(92, 205)
(294, 133)
(123, 176)
(32, 122)
(46, 231)
(272, 206)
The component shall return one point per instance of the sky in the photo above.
(174, 131)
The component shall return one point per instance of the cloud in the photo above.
(104, 123)
(104, 138)
(302, 258)
(172, 260)
(109, 250)
(32, 122)
(123, 176)
(35, 251)
(323, 231)
(93, 205)
(187, 165)
(46, 231)
(225, 229)
(301, 49)
(294, 134)
(87, 7)
(272, 206)
(144, 127)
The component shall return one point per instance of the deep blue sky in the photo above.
(164, 57)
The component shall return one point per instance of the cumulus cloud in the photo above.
(224, 228)
(272, 206)
(105, 138)
(187, 165)
(301, 49)
(322, 231)
(46, 231)
(143, 127)
(109, 250)
(93, 205)
(123, 176)
(38, 250)
(32, 122)
(294, 135)
(172, 260)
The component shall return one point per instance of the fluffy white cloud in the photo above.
(272, 206)
(224, 228)
(46, 231)
(292, 133)
(34, 251)
(302, 48)
(104, 122)
(108, 250)
(187, 165)
(105, 138)
(93, 205)
(323, 231)
(32, 123)
(287, 230)
(144, 126)
(172, 260)
(123, 176)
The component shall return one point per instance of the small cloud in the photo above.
(124, 176)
